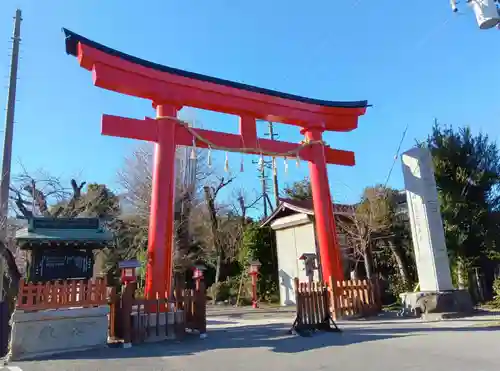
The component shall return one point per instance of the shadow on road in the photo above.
(218, 322)
(271, 336)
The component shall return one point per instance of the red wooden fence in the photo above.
(61, 294)
(137, 319)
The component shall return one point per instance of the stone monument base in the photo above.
(49, 332)
(437, 305)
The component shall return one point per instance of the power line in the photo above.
(396, 156)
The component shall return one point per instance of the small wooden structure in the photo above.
(135, 320)
(294, 224)
(320, 304)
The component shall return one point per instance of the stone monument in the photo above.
(437, 294)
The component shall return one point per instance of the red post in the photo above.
(254, 290)
(127, 306)
(254, 273)
(331, 263)
(161, 222)
(200, 302)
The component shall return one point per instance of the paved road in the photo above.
(248, 344)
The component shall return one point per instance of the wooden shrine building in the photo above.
(62, 248)
(293, 222)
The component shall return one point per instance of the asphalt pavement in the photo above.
(257, 340)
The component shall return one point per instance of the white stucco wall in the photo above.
(294, 237)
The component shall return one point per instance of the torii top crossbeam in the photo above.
(170, 89)
(205, 92)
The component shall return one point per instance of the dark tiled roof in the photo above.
(61, 230)
(305, 207)
(308, 205)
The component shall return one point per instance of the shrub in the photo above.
(496, 289)
(397, 286)
(220, 290)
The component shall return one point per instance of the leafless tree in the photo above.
(358, 237)
(367, 223)
(136, 179)
(215, 222)
(372, 224)
(244, 203)
(41, 194)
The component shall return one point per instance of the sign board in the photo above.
(60, 264)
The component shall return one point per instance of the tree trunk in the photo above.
(461, 274)
(214, 224)
(182, 233)
(10, 280)
(12, 274)
(368, 260)
(398, 256)
(217, 267)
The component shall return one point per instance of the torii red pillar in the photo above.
(170, 89)
(330, 256)
(161, 221)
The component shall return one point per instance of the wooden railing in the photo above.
(317, 300)
(313, 301)
(137, 319)
(61, 294)
(356, 298)
(194, 304)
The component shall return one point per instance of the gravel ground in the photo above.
(257, 340)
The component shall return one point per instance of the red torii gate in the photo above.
(170, 89)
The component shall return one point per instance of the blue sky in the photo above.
(412, 61)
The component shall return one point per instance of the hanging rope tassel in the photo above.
(193, 150)
(209, 157)
(241, 165)
(226, 164)
(285, 164)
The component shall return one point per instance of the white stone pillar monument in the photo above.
(437, 297)
(427, 231)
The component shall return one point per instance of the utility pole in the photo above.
(273, 135)
(263, 165)
(9, 127)
(268, 164)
